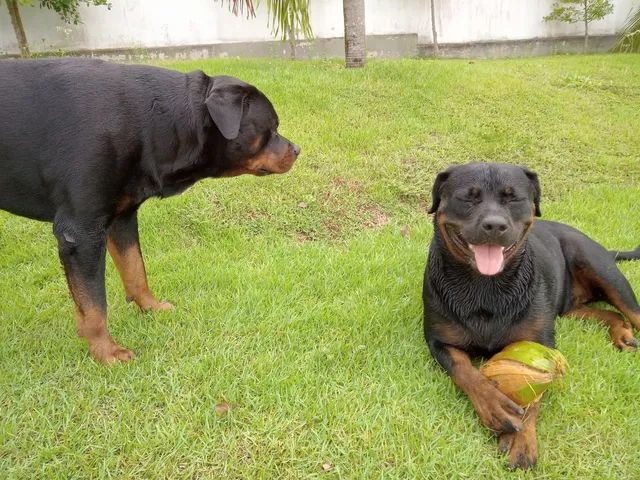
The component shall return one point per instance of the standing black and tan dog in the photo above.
(84, 142)
(495, 277)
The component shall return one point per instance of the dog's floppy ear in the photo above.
(225, 103)
(535, 183)
(436, 191)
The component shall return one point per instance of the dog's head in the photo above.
(484, 212)
(248, 124)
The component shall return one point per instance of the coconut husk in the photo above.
(524, 370)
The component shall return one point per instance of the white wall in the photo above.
(460, 21)
(161, 23)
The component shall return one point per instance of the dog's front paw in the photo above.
(105, 350)
(522, 448)
(496, 411)
(160, 306)
(149, 303)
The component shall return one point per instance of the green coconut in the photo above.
(524, 370)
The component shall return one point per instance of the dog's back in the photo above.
(76, 116)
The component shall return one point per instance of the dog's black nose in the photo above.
(495, 224)
(296, 149)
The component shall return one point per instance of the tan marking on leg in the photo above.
(586, 283)
(91, 324)
(496, 411)
(101, 345)
(620, 333)
(522, 446)
(130, 265)
(616, 301)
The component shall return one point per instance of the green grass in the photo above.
(299, 298)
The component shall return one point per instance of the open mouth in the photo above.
(261, 172)
(489, 259)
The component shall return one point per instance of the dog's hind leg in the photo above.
(620, 333)
(597, 277)
(124, 247)
(617, 291)
(621, 296)
(82, 250)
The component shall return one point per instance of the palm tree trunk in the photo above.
(355, 50)
(292, 44)
(16, 21)
(434, 33)
(291, 33)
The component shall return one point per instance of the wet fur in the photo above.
(556, 270)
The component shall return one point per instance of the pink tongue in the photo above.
(489, 258)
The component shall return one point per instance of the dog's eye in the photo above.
(469, 200)
(506, 200)
(509, 196)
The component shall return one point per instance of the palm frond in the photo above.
(629, 36)
(239, 7)
(289, 17)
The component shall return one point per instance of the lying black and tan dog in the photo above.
(84, 142)
(495, 276)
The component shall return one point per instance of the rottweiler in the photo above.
(83, 143)
(494, 276)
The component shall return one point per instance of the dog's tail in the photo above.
(630, 255)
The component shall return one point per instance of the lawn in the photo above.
(299, 296)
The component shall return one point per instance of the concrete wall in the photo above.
(157, 24)
(462, 21)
